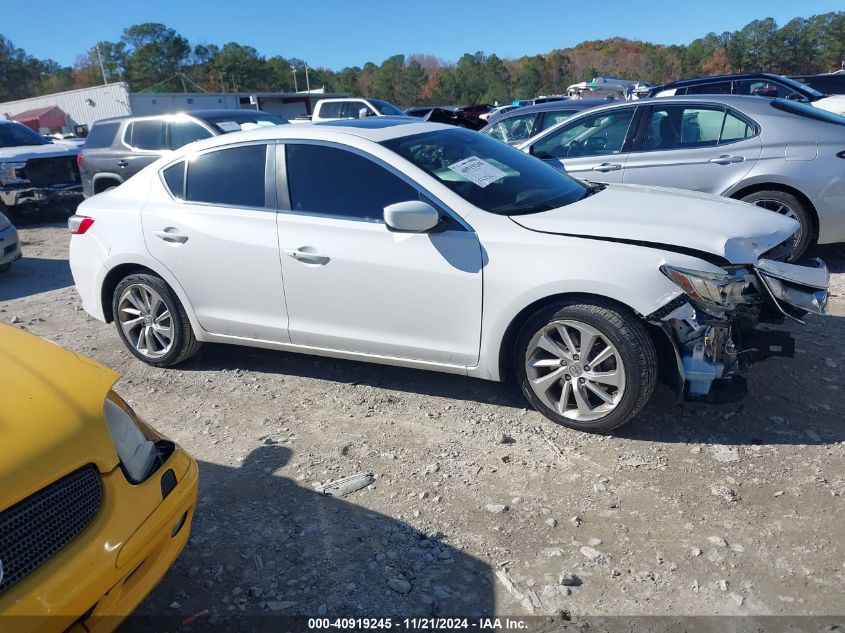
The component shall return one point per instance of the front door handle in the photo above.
(307, 255)
(123, 163)
(607, 167)
(171, 235)
(727, 159)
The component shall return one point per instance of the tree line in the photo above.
(154, 57)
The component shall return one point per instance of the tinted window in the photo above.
(551, 119)
(489, 174)
(597, 135)
(333, 181)
(15, 134)
(101, 135)
(515, 128)
(184, 132)
(147, 134)
(385, 107)
(764, 88)
(802, 109)
(675, 127)
(354, 110)
(716, 88)
(331, 110)
(229, 176)
(174, 176)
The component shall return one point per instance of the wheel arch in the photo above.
(739, 194)
(104, 177)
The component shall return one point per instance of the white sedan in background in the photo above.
(430, 246)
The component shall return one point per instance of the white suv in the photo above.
(435, 247)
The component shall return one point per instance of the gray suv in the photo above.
(117, 149)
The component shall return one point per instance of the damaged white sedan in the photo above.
(430, 246)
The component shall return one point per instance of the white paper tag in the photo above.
(477, 171)
(229, 126)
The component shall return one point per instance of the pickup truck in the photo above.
(349, 108)
(35, 172)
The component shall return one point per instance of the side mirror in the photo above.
(413, 216)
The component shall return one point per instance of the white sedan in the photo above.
(430, 246)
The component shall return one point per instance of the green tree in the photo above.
(155, 54)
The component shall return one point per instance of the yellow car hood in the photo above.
(51, 414)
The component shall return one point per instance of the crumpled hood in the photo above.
(665, 218)
(23, 153)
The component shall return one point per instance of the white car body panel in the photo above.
(831, 103)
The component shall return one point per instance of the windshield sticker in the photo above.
(477, 171)
(228, 126)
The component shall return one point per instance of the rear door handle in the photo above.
(607, 167)
(307, 256)
(171, 235)
(123, 163)
(727, 159)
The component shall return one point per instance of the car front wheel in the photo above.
(790, 206)
(151, 321)
(587, 366)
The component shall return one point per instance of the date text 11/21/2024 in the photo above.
(417, 624)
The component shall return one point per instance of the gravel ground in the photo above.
(479, 505)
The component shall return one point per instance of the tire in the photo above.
(790, 206)
(147, 297)
(630, 349)
(4, 268)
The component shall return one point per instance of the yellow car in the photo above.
(94, 505)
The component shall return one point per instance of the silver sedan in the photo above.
(778, 154)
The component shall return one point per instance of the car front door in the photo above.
(699, 147)
(353, 285)
(217, 236)
(592, 147)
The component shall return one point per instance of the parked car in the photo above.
(349, 108)
(419, 112)
(826, 83)
(117, 149)
(383, 228)
(94, 504)
(781, 155)
(497, 110)
(754, 84)
(10, 244)
(35, 172)
(521, 124)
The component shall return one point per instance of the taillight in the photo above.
(78, 160)
(78, 224)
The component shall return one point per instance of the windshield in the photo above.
(15, 134)
(487, 173)
(386, 108)
(245, 120)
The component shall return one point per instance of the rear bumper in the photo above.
(114, 564)
(831, 213)
(27, 196)
(10, 245)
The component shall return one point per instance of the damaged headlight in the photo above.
(715, 293)
(134, 442)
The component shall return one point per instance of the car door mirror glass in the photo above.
(414, 216)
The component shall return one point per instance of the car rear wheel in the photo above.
(151, 321)
(790, 206)
(587, 366)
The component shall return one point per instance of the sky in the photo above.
(335, 34)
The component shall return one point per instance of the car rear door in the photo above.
(144, 141)
(702, 147)
(353, 285)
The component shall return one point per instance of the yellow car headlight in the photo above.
(137, 451)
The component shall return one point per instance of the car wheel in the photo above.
(151, 321)
(790, 206)
(588, 366)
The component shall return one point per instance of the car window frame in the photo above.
(270, 195)
(645, 121)
(284, 206)
(189, 119)
(130, 125)
(633, 127)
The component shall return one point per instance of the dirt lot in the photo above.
(688, 510)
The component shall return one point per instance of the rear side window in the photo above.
(808, 111)
(331, 110)
(330, 181)
(174, 176)
(147, 134)
(184, 132)
(101, 135)
(232, 176)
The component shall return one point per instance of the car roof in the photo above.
(199, 114)
(680, 83)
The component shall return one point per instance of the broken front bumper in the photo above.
(24, 196)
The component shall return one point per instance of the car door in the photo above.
(145, 141)
(591, 147)
(217, 236)
(353, 285)
(699, 147)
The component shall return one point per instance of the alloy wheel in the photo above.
(778, 206)
(575, 370)
(145, 320)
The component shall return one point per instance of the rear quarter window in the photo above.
(102, 135)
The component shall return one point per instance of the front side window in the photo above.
(386, 108)
(515, 128)
(765, 88)
(715, 88)
(356, 110)
(553, 118)
(487, 173)
(17, 134)
(601, 134)
(336, 182)
(231, 176)
(677, 127)
(184, 132)
(146, 134)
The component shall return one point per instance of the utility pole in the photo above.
(293, 68)
(307, 82)
(102, 68)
